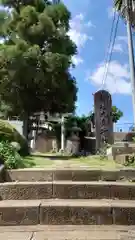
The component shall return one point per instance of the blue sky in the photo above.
(90, 29)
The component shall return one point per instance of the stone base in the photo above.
(120, 150)
(17, 212)
(68, 232)
(67, 190)
(34, 175)
(67, 212)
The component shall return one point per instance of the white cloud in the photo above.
(79, 34)
(80, 17)
(117, 78)
(79, 38)
(77, 60)
(89, 24)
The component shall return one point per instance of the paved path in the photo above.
(68, 233)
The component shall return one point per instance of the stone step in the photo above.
(67, 212)
(18, 212)
(67, 190)
(39, 232)
(81, 174)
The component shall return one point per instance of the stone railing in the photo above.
(124, 136)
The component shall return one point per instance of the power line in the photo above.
(110, 57)
(108, 49)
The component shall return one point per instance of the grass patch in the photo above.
(40, 160)
(34, 161)
(95, 162)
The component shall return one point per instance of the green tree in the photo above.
(82, 123)
(116, 114)
(5, 110)
(35, 57)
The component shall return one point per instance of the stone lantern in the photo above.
(73, 143)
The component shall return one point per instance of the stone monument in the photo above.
(103, 118)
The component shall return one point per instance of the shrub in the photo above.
(130, 160)
(103, 151)
(10, 134)
(10, 156)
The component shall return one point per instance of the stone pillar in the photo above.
(103, 118)
(73, 145)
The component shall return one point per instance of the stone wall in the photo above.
(44, 143)
(124, 136)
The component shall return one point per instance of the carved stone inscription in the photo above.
(103, 118)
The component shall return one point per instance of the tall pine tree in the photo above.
(35, 57)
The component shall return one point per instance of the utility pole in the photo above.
(131, 51)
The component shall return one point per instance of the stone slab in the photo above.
(86, 175)
(25, 190)
(64, 174)
(93, 190)
(75, 212)
(32, 175)
(81, 190)
(127, 174)
(19, 212)
(81, 235)
(29, 175)
(68, 232)
(123, 212)
(68, 228)
(109, 175)
(67, 190)
(15, 236)
(67, 212)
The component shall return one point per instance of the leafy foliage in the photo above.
(10, 156)
(82, 121)
(36, 56)
(69, 124)
(10, 134)
(5, 110)
(116, 114)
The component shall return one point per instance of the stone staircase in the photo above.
(68, 197)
